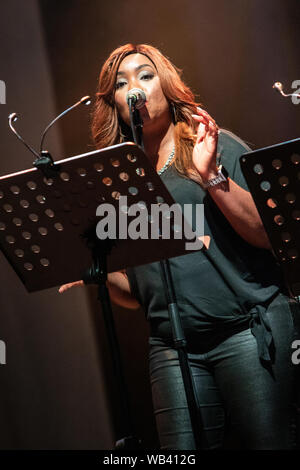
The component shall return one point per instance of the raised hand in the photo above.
(205, 149)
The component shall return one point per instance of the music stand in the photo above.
(273, 177)
(48, 225)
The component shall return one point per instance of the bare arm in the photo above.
(239, 209)
(118, 287)
(234, 202)
(119, 290)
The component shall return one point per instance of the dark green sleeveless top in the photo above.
(219, 291)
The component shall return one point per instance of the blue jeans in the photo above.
(257, 401)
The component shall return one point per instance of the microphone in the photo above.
(278, 86)
(136, 98)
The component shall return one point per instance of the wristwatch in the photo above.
(220, 178)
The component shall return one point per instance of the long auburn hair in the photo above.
(109, 129)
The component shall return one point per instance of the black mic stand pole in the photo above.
(174, 316)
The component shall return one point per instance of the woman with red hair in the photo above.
(235, 313)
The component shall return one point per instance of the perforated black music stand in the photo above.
(43, 220)
(273, 176)
(48, 228)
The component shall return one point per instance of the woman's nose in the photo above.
(134, 83)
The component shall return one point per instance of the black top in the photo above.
(221, 290)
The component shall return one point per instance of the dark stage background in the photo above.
(56, 388)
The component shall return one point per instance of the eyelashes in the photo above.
(119, 85)
(146, 76)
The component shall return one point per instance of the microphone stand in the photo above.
(136, 123)
(174, 316)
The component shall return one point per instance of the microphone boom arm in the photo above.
(13, 117)
(85, 100)
(42, 155)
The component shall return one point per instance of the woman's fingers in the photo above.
(201, 132)
(203, 116)
(206, 126)
(202, 112)
(68, 286)
(213, 128)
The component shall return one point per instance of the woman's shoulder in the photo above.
(228, 138)
(230, 149)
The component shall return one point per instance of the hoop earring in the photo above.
(173, 113)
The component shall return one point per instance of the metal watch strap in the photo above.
(220, 178)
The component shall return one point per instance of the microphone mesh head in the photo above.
(138, 96)
(278, 86)
(13, 117)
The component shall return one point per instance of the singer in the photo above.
(238, 320)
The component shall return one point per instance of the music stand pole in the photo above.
(97, 274)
